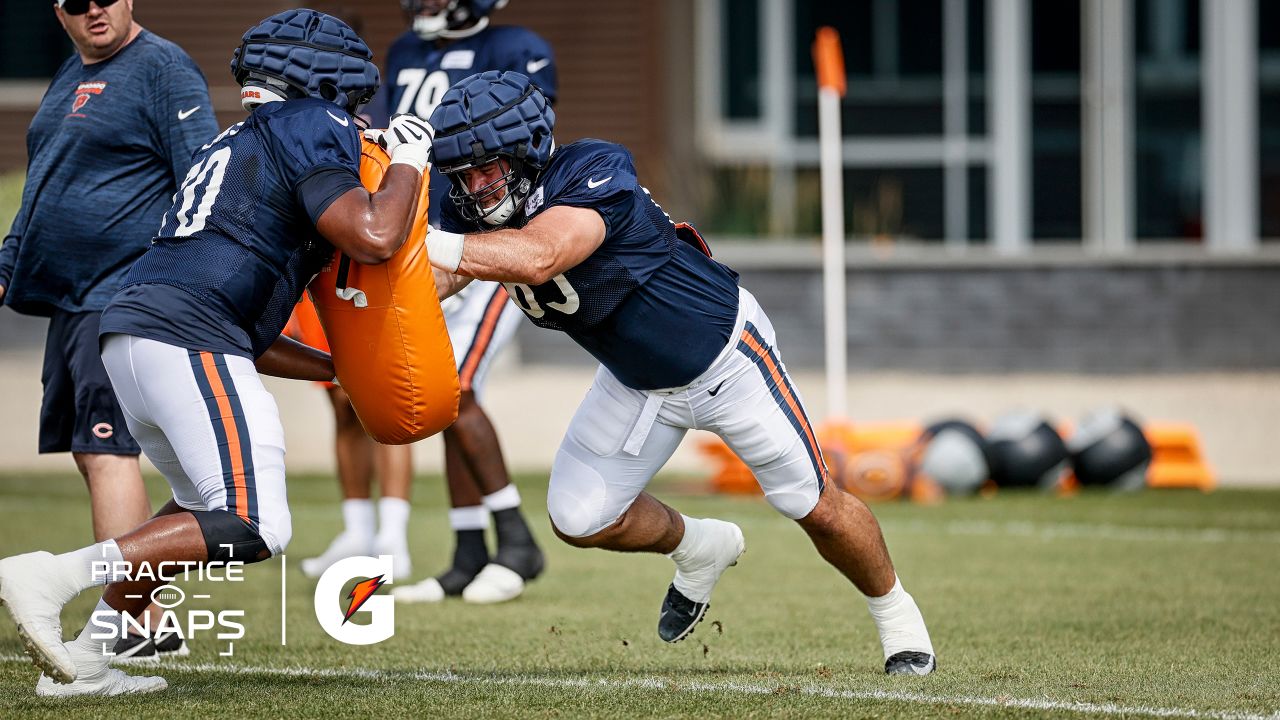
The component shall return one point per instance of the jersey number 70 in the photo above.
(422, 92)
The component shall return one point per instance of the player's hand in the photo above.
(408, 140)
(405, 128)
(1, 292)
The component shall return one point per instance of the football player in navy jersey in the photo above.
(582, 248)
(449, 40)
(259, 213)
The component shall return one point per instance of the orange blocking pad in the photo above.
(388, 339)
(876, 461)
(1177, 460)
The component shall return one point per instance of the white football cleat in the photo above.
(344, 546)
(95, 676)
(427, 591)
(107, 681)
(398, 549)
(34, 591)
(494, 584)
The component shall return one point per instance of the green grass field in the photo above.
(1158, 604)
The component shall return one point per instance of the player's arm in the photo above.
(556, 240)
(370, 227)
(449, 284)
(288, 358)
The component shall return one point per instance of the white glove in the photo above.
(407, 139)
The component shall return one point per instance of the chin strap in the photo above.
(426, 27)
(481, 24)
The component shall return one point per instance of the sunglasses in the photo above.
(80, 7)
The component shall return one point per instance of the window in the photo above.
(32, 43)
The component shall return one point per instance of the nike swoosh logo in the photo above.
(340, 120)
(534, 66)
(712, 393)
(184, 114)
(593, 183)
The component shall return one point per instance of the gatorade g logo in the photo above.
(337, 611)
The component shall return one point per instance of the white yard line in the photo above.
(698, 687)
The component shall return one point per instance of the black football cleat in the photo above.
(910, 662)
(679, 615)
(136, 649)
(526, 560)
(170, 645)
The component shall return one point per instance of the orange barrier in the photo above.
(877, 461)
(389, 342)
(1177, 460)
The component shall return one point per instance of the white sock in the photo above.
(697, 569)
(504, 499)
(472, 517)
(358, 517)
(899, 622)
(393, 520)
(106, 622)
(94, 565)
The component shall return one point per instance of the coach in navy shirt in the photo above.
(110, 144)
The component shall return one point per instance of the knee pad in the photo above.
(576, 498)
(794, 503)
(228, 537)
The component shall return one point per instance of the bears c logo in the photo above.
(84, 91)
(103, 430)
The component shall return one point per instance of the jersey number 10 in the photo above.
(208, 175)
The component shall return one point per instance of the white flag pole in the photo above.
(828, 59)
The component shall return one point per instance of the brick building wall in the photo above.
(610, 55)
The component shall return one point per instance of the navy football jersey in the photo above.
(652, 308)
(420, 71)
(240, 243)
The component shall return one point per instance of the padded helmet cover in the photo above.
(308, 54)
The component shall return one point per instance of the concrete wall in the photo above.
(1172, 338)
(1159, 312)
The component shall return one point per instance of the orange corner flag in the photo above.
(828, 59)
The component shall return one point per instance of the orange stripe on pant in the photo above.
(484, 334)
(233, 437)
(785, 389)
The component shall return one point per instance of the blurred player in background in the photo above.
(367, 529)
(199, 315)
(108, 147)
(449, 40)
(584, 249)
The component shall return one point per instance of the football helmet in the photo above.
(448, 19)
(487, 117)
(304, 53)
